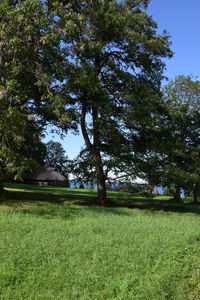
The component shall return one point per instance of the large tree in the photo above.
(82, 63)
(29, 52)
(111, 50)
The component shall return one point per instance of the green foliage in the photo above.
(129, 188)
(145, 190)
(20, 146)
(81, 64)
(182, 163)
(26, 51)
(168, 191)
(148, 192)
(56, 157)
(171, 157)
(111, 50)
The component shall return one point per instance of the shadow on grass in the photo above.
(67, 212)
(49, 205)
(51, 212)
(37, 196)
(169, 206)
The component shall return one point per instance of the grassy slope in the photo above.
(54, 249)
(49, 189)
(70, 191)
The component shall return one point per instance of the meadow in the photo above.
(52, 247)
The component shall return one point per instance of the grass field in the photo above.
(53, 248)
(74, 192)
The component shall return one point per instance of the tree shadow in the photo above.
(12, 196)
(63, 212)
(50, 205)
(148, 205)
(166, 207)
(67, 212)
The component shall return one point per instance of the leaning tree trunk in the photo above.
(94, 149)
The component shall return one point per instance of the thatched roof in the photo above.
(45, 173)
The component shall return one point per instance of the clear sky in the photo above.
(181, 18)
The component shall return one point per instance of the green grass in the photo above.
(76, 192)
(50, 189)
(52, 248)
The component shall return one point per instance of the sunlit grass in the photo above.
(49, 189)
(52, 248)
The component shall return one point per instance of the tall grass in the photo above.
(61, 251)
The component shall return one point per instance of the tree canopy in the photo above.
(171, 157)
(93, 65)
(183, 158)
(55, 157)
(28, 53)
(111, 50)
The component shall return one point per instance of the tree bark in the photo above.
(1, 187)
(177, 194)
(102, 194)
(101, 181)
(195, 196)
(94, 149)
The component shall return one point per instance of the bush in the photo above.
(148, 191)
(130, 188)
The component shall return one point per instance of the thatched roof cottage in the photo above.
(45, 176)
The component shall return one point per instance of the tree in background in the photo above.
(56, 157)
(110, 49)
(172, 158)
(182, 165)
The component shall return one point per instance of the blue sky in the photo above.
(181, 19)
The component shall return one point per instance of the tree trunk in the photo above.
(195, 196)
(1, 187)
(101, 181)
(102, 195)
(177, 194)
(94, 149)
